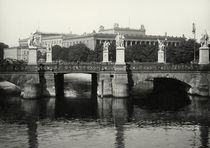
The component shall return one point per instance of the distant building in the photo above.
(16, 53)
(11, 53)
(132, 37)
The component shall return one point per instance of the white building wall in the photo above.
(11, 53)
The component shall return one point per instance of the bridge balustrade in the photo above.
(97, 67)
(168, 67)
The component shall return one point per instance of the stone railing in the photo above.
(167, 67)
(59, 67)
(97, 67)
(78, 67)
(18, 68)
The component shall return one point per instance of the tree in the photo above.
(56, 53)
(78, 52)
(97, 54)
(141, 53)
(184, 53)
(2, 46)
(74, 53)
(112, 52)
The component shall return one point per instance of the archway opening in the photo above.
(165, 94)
(77, 85)
(170, 84)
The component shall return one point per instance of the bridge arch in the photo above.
(162, 84)
(197, 82)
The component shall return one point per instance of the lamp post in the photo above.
(194, 32)
(165, 45)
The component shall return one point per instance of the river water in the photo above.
(82, 120)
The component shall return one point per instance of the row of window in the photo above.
(129, 43)
(67, 44)
(54, 42)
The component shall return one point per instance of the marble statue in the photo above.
(161, 45)
(204, 40)
(106, 46)
(31, 41)
(119, 40)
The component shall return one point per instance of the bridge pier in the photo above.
(200, 85)
(120, 81)
(59, 84)
(120, 85)
(94, 85)
(114, 84)
(104, 84)
(31, 88)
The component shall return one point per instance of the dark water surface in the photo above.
(82, 121)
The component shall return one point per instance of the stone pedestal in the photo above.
(49, 57)
(49, 54)
(32, 57)
(120, 55)
(161, 56)
(105, 56)
(120, 85)
(104, 85)
(204, 55)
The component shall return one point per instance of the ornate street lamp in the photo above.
(194, 32)
(165, 44)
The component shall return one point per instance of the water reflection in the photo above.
(75, 108)
(32, 135)
(124, 119)
(116, 110)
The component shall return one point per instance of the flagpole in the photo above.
(194, 47)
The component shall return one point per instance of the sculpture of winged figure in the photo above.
(161, 45)
(204, 40)
(106, 46)
(119, 40)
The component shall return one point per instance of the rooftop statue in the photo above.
(161, 45)
(119, 40)
(204, 40)
(106, 46)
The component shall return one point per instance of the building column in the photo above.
(126, 43)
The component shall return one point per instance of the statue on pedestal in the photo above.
(106, 46)
(161, 45)
(31, 41)
(119, 40)
(204, 40)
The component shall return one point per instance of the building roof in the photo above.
(137, 37)
(153, 37)
(24, 40)
(44, 34)
(122, 29)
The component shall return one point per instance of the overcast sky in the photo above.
(19, 18)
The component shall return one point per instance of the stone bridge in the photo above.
(107, 78)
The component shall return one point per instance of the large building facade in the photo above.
(132, 37)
